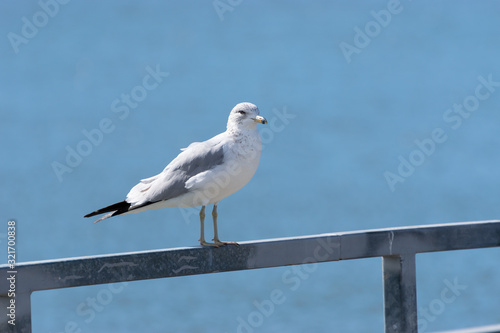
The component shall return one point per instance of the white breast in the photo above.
(241, 159)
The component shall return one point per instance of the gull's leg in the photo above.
(202, 231)
(214, 218)
(216, 234)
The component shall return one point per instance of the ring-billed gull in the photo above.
(204, 173)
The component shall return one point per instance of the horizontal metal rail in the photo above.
(480, 329)
(397, 247)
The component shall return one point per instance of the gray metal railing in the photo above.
(396, 246)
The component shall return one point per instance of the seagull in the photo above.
(204, 173)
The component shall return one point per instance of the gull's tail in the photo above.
(115, 209)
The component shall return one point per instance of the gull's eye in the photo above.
(242, 112)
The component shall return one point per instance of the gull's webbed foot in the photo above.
(204, 243)
(217, 243)
(220, 243)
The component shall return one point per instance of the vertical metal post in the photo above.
(4, 303)
(23, 313)
(400, 294)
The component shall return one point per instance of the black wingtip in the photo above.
(119, 208)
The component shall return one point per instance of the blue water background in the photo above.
(351, 119)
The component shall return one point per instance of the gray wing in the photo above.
(171, 183)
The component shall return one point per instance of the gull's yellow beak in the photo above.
(260, 119)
